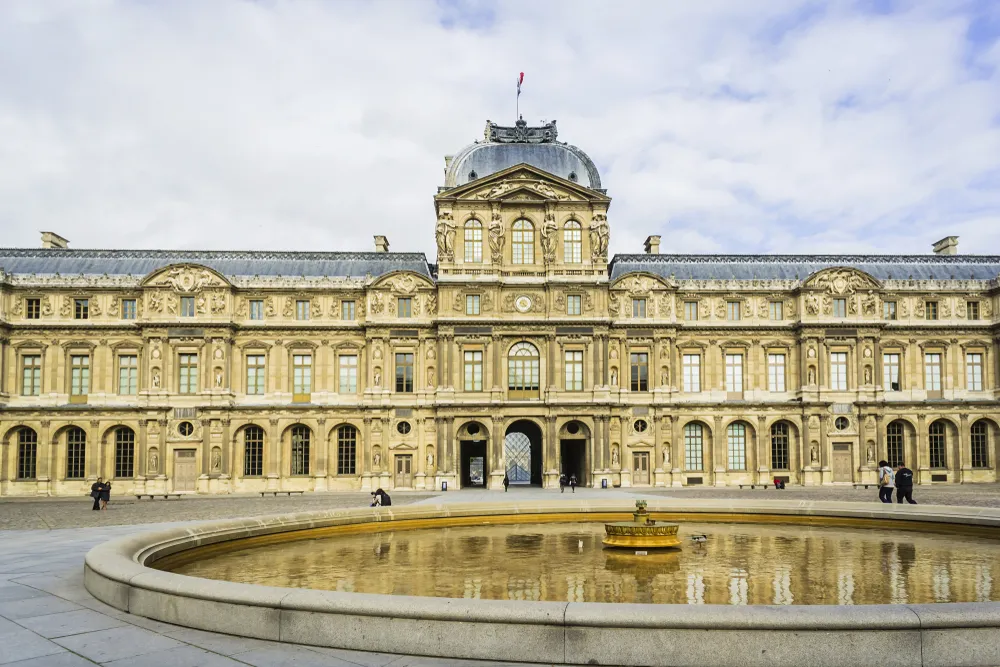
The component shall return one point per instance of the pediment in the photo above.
(402, 282)
(185, 278)
(640, 282)
(524, 181)
(842, 280)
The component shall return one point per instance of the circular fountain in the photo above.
(544, 554)
(641, 532)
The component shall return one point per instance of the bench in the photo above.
(275, 493)
(866, 485)
(165, 496)
(753, 486)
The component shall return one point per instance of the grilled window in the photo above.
(253, 451)
(300, 450)
(779, 446)
(27, 453)
(347, 445)
(693, 447)
(76, 453)
(124, 452)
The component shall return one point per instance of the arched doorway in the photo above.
(472, 439)
(522, 448)
(574, 439)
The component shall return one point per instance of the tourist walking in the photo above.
(904, 485)
(506, 482)
(105, 495)
(562, 483)
(572, 482)
(95, 493)
(885, 482)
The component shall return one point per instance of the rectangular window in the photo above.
(471, 304)
(574, 370)
(973, 310)
(574, 304)
(890, 371)
(889, 310)
(974, 371)
(347, 449)
(776, 372)
(776, 311)
(32, 309)
(255, 374)
(404, 372)
(691, 311)
(473, 241)
(27, 453)
(932, 309)
(932, 372)
(81, 309)
(894, 449)
(79, 375)
(937, 444)
(76, 454)
(187, 306)
(733, 311)
(638, 308)
(31, 375)
(257, 309)
(734, 373)
(691, 367)
(253, 452)
(473, 370)
(128, 375)
(128, 309)
(347, 311)
(838, 371)
(404, 307)
(980, 441)
(736, 436)
(124, 453)
(301, 374)
(188, 376)
(693, 447)
(348, 374)
(302, 310)
(840, 307)
(640, 371)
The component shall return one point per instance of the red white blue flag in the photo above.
(520, 79)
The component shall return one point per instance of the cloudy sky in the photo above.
(722, 125)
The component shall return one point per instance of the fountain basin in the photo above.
(556, 632)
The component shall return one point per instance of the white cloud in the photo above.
(724, 127)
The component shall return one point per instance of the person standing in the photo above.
(886, 482)
(572, 482)
(904, 485)
(95, 493)
(105, 495)
(562, 483)
(506, 482)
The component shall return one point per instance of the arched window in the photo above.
(522, 244)
(124, 452)
(779, 446)
(76, 453)
(938, 443)
(253, 451)
(300, 450)
(980, 440)
(522, 371)
(347, 449)
(694, 443)
(895, 450)
(736, 434)
(473, 241)
(572, 243)
(27, 453)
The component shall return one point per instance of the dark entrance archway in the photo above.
(474, 466)
(573, 449)
(522, 446)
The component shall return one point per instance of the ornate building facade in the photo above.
(524, 349)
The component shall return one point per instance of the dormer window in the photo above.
(473, 175)
(572, 176)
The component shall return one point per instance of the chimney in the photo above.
(652, 245)
(381, 244)
(53, 240)
(946, 246)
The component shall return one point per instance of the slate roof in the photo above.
(228, 263)
(792, 267)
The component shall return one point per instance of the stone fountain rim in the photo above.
(117, 573)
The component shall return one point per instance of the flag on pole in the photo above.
(520, 79)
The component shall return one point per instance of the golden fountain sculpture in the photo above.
(641, 532)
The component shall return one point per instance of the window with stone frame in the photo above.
(523, 371)
(776, 311)
(931, 310)
(79, 375)
(128, 374)
(937, 441)
(522, 244)
(301, 438)
(691, 371)
(253, 451)
(347, 310)
(473, 241)
(348, 367)
(840, 308)
(573, 243)
(76, 453)
(27, 453)
(128, 309)
(404, 372)
(974, 371)
(124, 453)
(694, 447)
(895, 444)
(691, 311)
(734, 373)
(81, 309)
(891, 378)
(838, 371)
(473, 368)
(972, 310)
(776, 372)
(639, 371)
(32, 309)
(31, 375)
(574, 304)
(574, 370)
(780, 446)
(932, 371)
(472, 304)
(736, 436)
(256, 376)
(187, 306)
(404, 307)
(347, 450)
(638, 308)
(733, 313)
(888, 310)
(187, 373)
(302, 374)
(979, 439)
(257, 309)
(302, 308)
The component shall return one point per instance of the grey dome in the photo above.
(505, 147)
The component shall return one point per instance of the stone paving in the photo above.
(48, 619)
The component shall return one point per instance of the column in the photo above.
(963, 452)
(94, 453)
(718, 449)
(273, 449)
(227, 449)
(552, 464)
(497, 360)
(321, 446)
(450, 442)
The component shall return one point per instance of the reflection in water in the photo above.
(738, 565)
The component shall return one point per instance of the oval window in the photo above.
(842, 423)
(185, 428)
(403, 427)
(640, 425)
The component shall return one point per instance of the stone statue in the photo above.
(377, 460)
(614, 377)
(812, 376)
(156, 378)
(871, 453)
(497, 237)
(378, 377)
(430, 461)
(218, 377)
(664, 376)
(666, 457)
(868, 375)
(614, 457)
(600, 235)
(154, 462)
(814, 454)
(446, 236)
(812, 304)
(548, 234)
(216, 460)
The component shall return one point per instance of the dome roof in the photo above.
(505, 147)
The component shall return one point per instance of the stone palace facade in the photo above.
(524, 349)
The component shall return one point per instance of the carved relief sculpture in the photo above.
(497, 237)
(600, 236)
(446, 236)
(869, 304)
(548, 236)
(812, 304)
(216, 459)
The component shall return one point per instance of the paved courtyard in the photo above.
(48, 619)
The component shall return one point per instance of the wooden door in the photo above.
(185, 469)
(841, 463)
(404, 471)
(640, 467)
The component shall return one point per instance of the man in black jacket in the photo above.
(904, 485)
